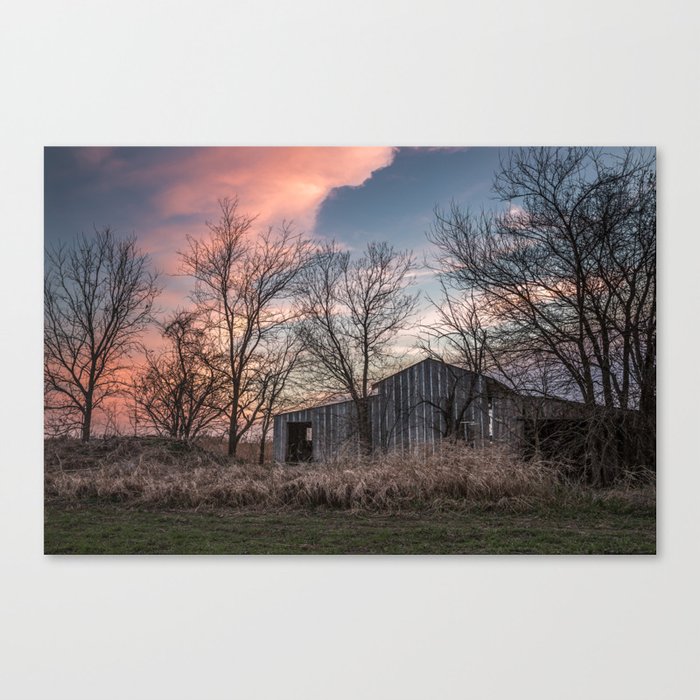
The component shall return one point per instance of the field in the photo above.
(151, 496)
(99, 529)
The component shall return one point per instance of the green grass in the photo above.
(587, 529)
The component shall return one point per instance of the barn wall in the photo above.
(415, 404)
(409, 410)
(280, 433)
(333, 429)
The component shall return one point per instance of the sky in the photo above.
(351, 194)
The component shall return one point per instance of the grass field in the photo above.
(149, 495)
(100, 529)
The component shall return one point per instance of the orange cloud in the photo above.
(276, 183)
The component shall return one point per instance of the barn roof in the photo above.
(491, 383)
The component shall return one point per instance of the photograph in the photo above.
(349, 350)
(330, 356)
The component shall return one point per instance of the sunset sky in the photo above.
(354, 195)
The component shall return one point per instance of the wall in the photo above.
(411, 408)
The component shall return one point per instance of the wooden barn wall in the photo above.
(279, 437)
(333, 429)
(414, 404)
(538, 408)
(507, 424)
(404, 413)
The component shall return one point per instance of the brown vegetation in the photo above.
(170, 474)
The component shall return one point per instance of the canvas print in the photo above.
(350, 350)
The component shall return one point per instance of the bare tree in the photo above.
(570, 272)
(458, 337)
(458, 332)
(279, 387)
(98, 295)
(182, 391)
(243, 286)
(351, 313)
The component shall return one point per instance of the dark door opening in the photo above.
(299, 442)
(559, 439)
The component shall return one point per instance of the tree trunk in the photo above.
(364, 429)
(232, 436)
(87, 422)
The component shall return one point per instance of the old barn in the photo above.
(418, 406)
(431, 401)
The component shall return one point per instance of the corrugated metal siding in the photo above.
(407, 412)
(333, 429)
(413, 402)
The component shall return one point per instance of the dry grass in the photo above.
(165, 474)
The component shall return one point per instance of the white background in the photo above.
(356, 73)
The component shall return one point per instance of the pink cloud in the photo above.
(276, 183)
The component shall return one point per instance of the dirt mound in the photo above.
(73, 455)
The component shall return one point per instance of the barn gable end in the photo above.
(418, 406)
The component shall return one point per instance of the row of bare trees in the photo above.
(268, 311)
(557, 296)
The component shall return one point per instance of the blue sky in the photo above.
(396, 203)
(121, 187)
(353, 195)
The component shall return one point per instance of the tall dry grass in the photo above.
(157, 473)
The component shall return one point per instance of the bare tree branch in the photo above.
(567, 278)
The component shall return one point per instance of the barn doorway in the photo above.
(558, 439)
(299, 442)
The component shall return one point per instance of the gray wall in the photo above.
(332, 429)
(409, 410)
